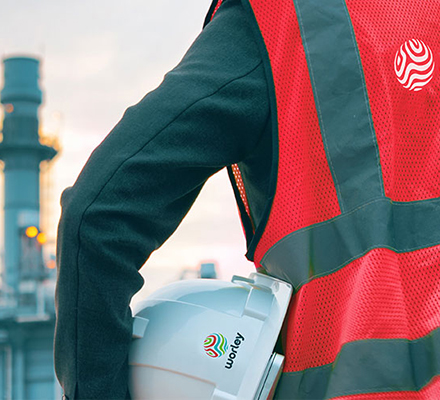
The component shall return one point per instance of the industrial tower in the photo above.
(27, 315)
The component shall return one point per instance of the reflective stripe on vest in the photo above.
(366, 316)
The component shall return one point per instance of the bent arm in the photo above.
(136, 188)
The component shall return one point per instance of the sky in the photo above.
(96, 59)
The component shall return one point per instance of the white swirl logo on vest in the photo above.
(414, 65)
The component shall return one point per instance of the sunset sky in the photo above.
(97, 58)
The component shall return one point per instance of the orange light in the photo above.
(41, 238)
(31, 231)
(9, 108)
(51, 264)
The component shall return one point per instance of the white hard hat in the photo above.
(209, 339)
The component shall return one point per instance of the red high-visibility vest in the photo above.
(354, 224)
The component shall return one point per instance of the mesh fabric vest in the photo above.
(354, 223)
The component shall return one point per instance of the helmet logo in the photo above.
(238, 341)
(215, 345)
(414, 65)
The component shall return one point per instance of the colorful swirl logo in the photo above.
(414, 65)
(215, 345)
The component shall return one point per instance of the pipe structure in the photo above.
(21, 153)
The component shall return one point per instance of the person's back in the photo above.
(355, 221)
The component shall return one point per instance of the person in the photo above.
(327, 116)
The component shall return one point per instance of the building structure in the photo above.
(27, 315)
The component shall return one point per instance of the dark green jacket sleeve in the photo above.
(209, 112)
